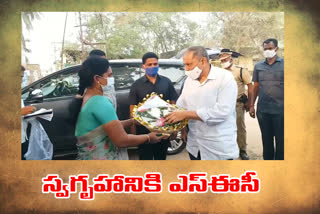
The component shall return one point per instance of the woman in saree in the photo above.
(99, 132)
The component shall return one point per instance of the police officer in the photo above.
(242, 77)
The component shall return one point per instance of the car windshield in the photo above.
(174, 73)
(62, 85)
(126, 75)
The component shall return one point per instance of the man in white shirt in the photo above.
(209, 97)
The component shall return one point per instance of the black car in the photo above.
(59, 88)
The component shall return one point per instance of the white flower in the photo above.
(155, 112)
(147, 119)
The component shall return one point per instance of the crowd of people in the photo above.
(214, 100)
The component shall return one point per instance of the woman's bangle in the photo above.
(148, 138)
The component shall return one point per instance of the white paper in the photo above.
(154, 102)
(46, 114)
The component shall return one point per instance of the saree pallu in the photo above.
(96, 145)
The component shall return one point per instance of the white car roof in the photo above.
(139, 61)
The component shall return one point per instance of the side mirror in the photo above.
(36, 96)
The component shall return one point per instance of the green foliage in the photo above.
(245, 32)
(167, 31)
(130, 35)
(27, 19)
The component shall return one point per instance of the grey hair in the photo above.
(199, 52)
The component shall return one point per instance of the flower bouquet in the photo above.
(151, 112)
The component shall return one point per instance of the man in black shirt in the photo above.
(268, 78)
(151, 82)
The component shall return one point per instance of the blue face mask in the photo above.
(152, 71)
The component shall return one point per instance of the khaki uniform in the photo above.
(241, 126)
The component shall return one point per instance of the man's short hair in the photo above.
(148, 56)
(199, 51)
(275, 42)
(97, 52)
(22, 68)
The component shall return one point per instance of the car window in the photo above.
(125, 75)
(174, 73)
(25, 95)
(60, 85)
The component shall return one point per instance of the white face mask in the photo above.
(226, 64)
(111, 81)
(269, 53)
(105, 88)
(194, 73)
(109, 88)
(108, 91)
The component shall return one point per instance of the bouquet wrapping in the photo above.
(151, 112)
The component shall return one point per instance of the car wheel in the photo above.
(176, 145)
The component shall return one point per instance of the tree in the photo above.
(27, 19)
(167, 31)
(210, 34)
(73, 54)
(129, 35)
(241, 30)
(126, 40)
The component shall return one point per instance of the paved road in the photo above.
(254, 148)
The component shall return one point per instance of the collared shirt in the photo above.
(141, 87)
(271, 85)
(214, 101)
(241, 80)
